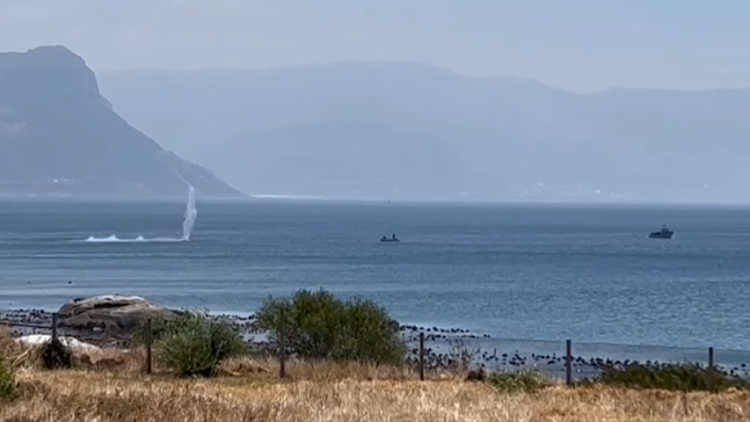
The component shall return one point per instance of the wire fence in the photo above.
(566, 359)
(429, 352)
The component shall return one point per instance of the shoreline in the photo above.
(444, 347)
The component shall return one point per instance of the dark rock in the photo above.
(56, 356)
(477, 375)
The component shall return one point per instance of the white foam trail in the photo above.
(139, 239)
(111, 238)
(191, 213)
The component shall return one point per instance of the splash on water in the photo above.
(188, 224)
(191, 213)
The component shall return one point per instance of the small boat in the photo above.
(664, 233)
(389, 239)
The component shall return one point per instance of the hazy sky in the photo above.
(582, 45)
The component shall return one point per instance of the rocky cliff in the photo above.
(59, 136)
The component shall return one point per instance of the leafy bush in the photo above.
(7, 382)
(316, 325)
(677, 377)
(193, 344)
(519, 382)
(161, 324)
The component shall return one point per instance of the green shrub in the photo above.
(316, 325)
(676, 377)
(518, 382)
(193, 344)
(161, 325)
(8, 387)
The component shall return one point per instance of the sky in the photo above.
(579, 45)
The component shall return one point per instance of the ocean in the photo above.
(532, 276)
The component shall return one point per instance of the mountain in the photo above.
(344, 159)
(523, 139)
(60, 136)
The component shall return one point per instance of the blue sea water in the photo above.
(545, 273)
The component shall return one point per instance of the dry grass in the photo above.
(268, 369)
(8, 347)
(105, 396)
(111, 388)
(259, 369)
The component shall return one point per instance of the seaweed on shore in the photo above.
(670, 376)
(518, 382)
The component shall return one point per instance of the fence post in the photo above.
(421, 356)
(711, 359)
(568, 363)
(149, 342)
(54, 327)
(282, 355)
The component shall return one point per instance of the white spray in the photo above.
(190, 215)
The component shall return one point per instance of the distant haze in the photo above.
(582, 100)
(578, 45)
(423, 131)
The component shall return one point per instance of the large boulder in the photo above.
(110, 313)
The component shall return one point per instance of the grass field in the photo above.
(250, 391)
(111, 387)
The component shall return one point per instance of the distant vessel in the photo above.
(391, 239)
(664, 233)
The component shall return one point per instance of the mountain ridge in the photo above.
(209, 71)
(60, 136)
(309, 159)
(531, 140)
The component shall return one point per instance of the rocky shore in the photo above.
(111, 322)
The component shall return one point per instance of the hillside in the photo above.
(59, 136)
(344, 159)
(528, 140)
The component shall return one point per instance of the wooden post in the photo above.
(282, 356)
(711, 364)
(421, 356)
(568, 363)
(149, 342)
(54, 327)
